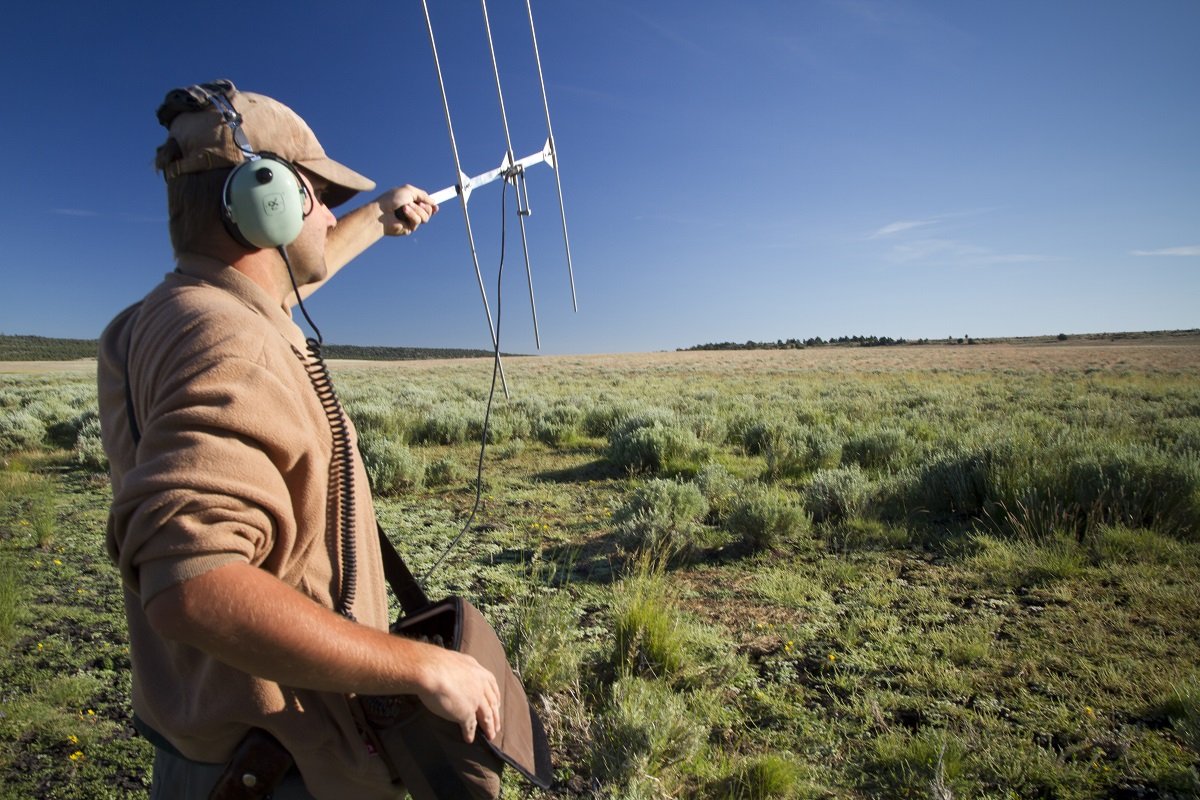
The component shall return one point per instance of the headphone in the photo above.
(262, 203)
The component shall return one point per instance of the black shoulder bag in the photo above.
(427, 753)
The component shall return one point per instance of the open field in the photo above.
(903, 572)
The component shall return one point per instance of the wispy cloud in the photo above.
(956, 252)
(74, 212)
(942, 250)
(891, 229)
(1189, 250)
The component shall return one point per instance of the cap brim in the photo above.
(344, 182)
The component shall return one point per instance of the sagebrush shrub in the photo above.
(756, 433)
(600, 419)
(793, 451)
(381, 418)
(647, 444)
(88, 449)
(764, 518)
(720, 489)
(65, 433)
(957, 482)
(1178, 435)
(662, 517)
(20, 430)
(709, 426)
(391, 466)
(1138, 487)
(448, 423)
(877, 448)
(558, 425)
(502, 426)
(833, 495)
(444, 471)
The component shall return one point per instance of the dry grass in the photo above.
(1174, 355)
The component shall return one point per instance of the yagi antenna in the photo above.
(511, 169)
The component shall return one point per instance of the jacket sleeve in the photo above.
(225, 442)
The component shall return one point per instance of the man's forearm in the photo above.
(396, 212)
(250, 620)
(355, 232)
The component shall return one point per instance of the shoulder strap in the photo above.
(410, 594)
(134, 430)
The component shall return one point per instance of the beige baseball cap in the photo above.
(204, 141)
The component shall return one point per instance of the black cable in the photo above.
(487, 414)
(299, 300)
(341, 463)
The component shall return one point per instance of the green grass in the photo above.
(12, 600)
(904, 579)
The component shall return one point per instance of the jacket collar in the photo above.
(223, 276)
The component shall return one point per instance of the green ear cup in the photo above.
(265, 202)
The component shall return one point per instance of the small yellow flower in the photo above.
(73, 739)
(832, 658)
(24, 523)
(58, 562)
(41, 646)
(1088, 711)
(76, 756)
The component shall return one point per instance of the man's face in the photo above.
(307, 253)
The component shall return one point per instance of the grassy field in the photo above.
(915, 572)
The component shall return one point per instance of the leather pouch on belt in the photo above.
(256, 767)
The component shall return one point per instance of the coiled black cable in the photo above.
(341, 471)
(341, 463)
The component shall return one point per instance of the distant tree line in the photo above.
(43, 348)
(379, 353)
(800, 344)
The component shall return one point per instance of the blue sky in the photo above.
(732, 171)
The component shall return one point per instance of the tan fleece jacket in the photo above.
(233, 466)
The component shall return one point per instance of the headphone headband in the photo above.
(262, 202)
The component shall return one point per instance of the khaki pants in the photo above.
(178, 778)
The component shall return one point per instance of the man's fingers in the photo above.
(414, 214)
(489, 717)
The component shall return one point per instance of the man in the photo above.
(225, 502)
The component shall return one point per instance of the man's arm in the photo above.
(254, 622)
(396, 212)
